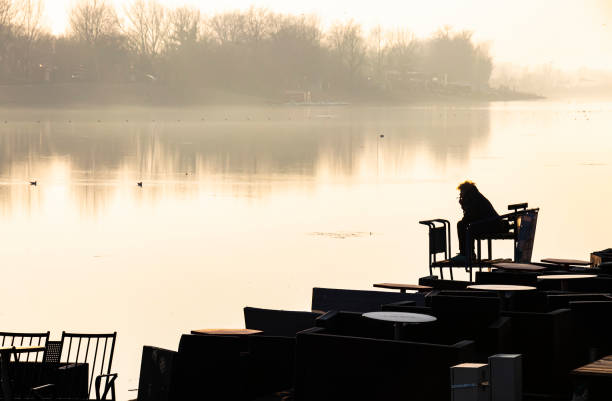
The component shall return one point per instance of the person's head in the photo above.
(467, 191)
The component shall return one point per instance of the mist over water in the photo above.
(255, 206)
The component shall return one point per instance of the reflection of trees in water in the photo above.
(448, 135)
(245, 155)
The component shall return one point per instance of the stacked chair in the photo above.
(337, 353)
(77, 367)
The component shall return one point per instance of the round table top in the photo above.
(574, 262)
(226, 332)
(400, 317)
(519, 266)
(566, 276)
(500, 287)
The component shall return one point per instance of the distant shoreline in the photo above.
(151, 95)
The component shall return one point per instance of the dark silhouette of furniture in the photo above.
(81, 367)
(519, 267)
(271, 364)
(274, 322)
(156, 368)
(600, 284)
(213, 367)
(467, 293)
(507, 277)
(545, 341)
(20, 371)
(209, 367)
(401, 320)
(398, 306)
(562, 300)
(271, 355)
(462, 315)
(355, 324)
(566, 263)
(334, 366)
(520, 223)
(403, 287)
(592, 329)
(441, 284)
(16, 339)
(326, 299)
(476, 318)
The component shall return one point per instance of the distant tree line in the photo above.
(254, 51)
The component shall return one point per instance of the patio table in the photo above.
(399, 319)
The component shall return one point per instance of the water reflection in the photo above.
(256, 206)
(95, 163)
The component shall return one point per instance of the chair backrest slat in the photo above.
(525, 235)
(76, 359)
(18, 339)
(88, 351)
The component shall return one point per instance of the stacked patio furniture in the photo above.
(506, 277)
(545, 341)
(326, 299)
(228, 367)
(272, 353)
(353, 358)
(349, 355)
(78, 367)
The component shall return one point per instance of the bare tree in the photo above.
(377, 42)
(7, 21)
(228, 27)
(30, 20)
(258, 24)
(402, 50)
(7, 15)
(294, 52)
(148, 28)
(92, 21)
(185, 26)
(349, 46)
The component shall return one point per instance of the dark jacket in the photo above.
(476, 207)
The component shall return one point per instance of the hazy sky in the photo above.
(568, 33)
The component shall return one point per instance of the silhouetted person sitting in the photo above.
(475, 207)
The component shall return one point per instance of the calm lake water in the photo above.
(255, 207)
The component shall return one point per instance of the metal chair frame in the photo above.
(75, 348)
(514, 219)
(105, 372)
(440, 240)
(12, 379)
(16, 339)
